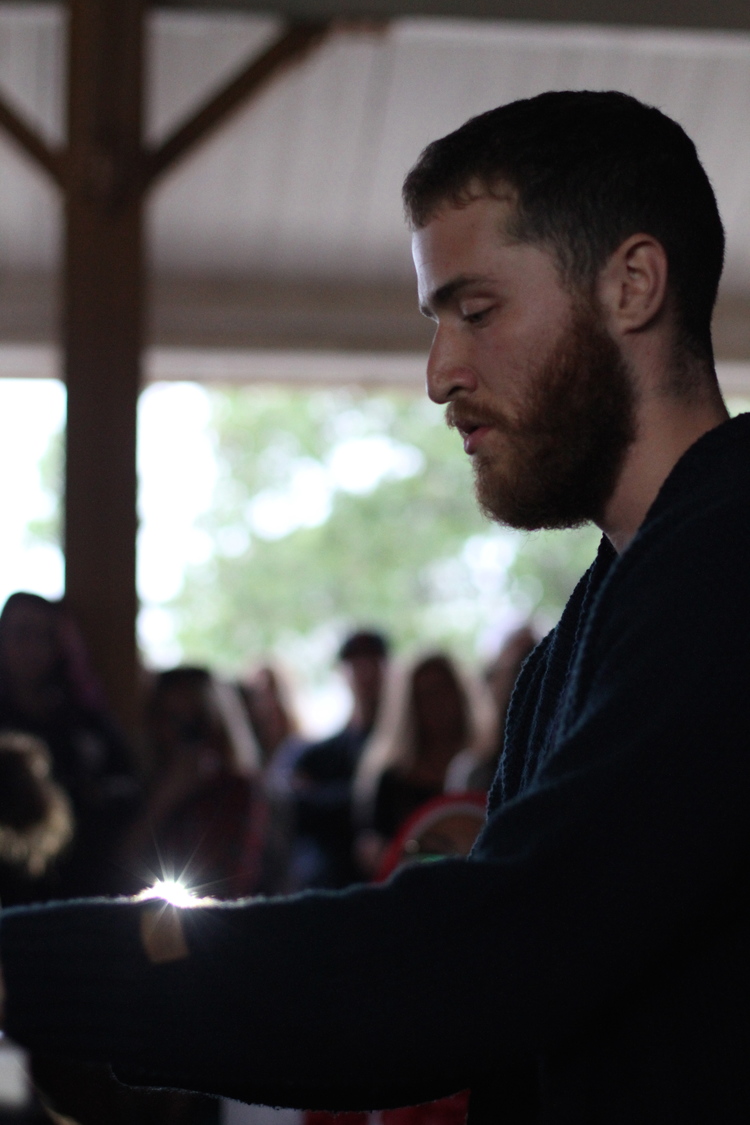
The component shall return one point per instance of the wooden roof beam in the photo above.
(732, 15)
(28, 139)
(726, 15)
(290, 47)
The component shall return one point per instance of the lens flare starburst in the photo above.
(171, 891)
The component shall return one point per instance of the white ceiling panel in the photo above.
(307, 178)
(304, 182)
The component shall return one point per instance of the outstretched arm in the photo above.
(624, 854)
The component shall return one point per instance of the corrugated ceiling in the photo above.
(308, 178)
(303, 185)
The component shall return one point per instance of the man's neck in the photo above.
(667, 428)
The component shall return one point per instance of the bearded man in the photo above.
(588, 963)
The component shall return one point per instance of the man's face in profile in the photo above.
(534, 382)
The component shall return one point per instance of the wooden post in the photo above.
(106, 172)
(103, 334)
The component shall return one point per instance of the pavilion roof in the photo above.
(283, 231)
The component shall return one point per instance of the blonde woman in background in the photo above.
(474, 769)
(429, 716)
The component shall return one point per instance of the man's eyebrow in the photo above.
(445, 294)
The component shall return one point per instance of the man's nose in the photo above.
(448, 369)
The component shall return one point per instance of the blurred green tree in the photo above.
(47, 529)
(341, 507)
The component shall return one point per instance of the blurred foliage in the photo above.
(546, 568)
(48, 529)
(406, 550)
(409, 553)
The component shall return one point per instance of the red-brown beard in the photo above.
(561, 458)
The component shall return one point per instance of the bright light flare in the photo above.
(171, 891)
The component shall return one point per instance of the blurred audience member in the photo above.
(475, 768)
(205, 816)
(443, 827)
(48, 689)
(426, 721)
(36, 819)
(269, 709)
(322, 779)
(270, 712)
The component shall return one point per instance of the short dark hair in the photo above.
(588, 169)
(364, 642)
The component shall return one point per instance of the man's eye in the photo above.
(476, 316)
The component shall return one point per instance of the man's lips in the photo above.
(473, 435)
(473, 425)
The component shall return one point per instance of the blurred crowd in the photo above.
(227, 795)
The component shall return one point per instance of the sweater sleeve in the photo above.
(305, 1001)
(624, 851)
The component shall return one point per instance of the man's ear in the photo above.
(632, 286)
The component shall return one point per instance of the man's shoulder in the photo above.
(713, 474)
(691, 551)
(697, 532)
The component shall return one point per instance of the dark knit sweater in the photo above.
(588, 965)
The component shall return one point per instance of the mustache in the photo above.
(459, 416)
(466, 417)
